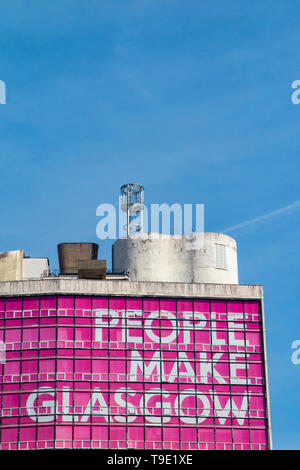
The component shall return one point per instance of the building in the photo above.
(155, 355)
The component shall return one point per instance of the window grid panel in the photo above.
(227, 399)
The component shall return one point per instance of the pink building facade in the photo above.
(133, 371)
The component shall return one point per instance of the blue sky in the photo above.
(193, 100)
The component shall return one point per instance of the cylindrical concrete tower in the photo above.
(168, 258)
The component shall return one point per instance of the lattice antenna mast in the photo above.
(133, 204)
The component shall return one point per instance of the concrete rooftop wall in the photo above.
(116, 287)
(11, 265)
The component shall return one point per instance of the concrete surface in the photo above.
(123, 287)
(171, 258)
(11, 265)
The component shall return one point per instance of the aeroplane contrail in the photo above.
(264, 218)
